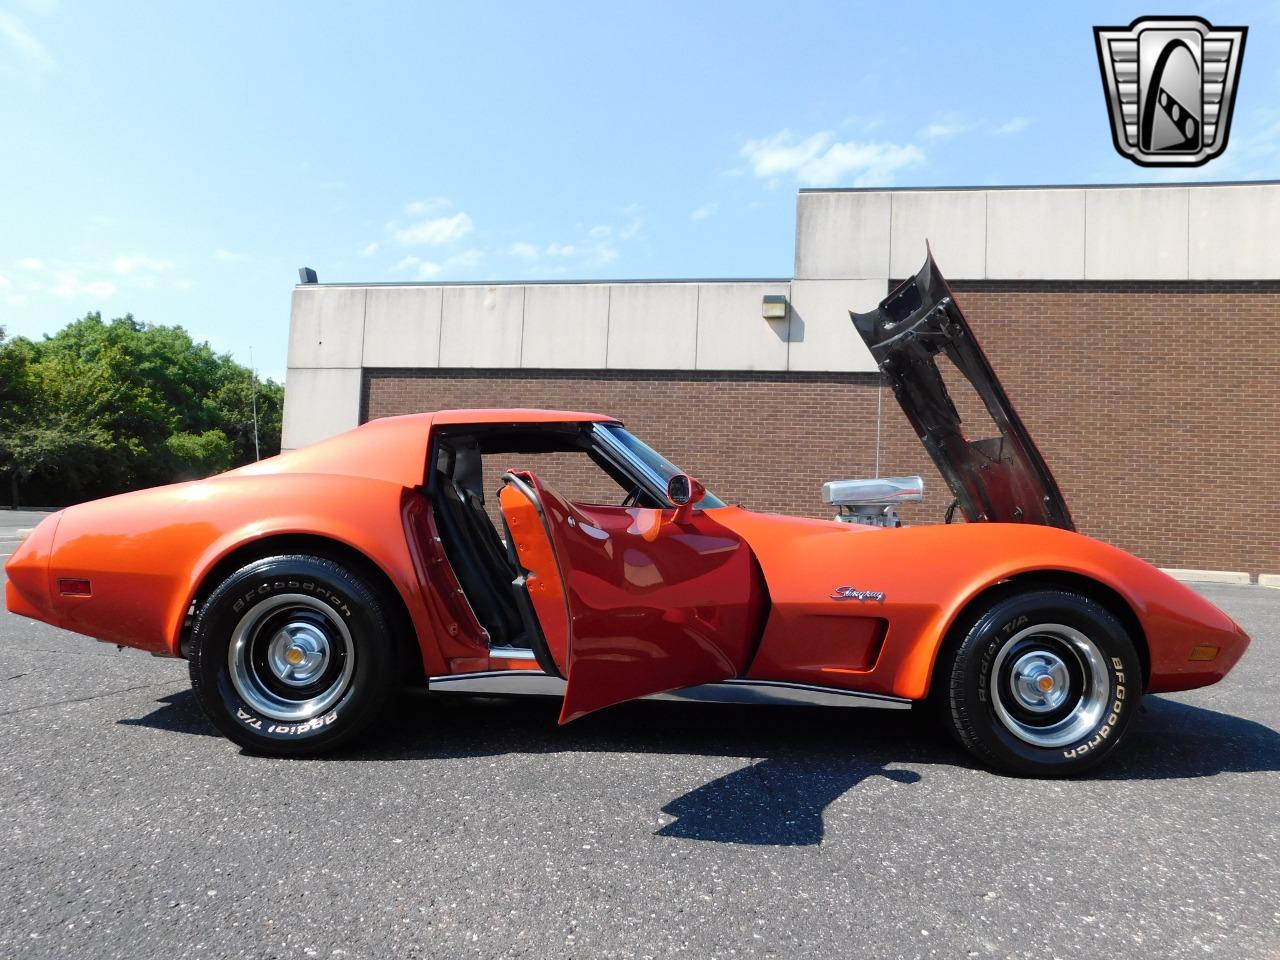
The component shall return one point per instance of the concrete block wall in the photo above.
(1148, 232)
(849, 245)
(678, 325)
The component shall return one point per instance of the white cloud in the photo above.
(139, 263)
(435, 232)
(70, 285)
(870, 164)
(86, 280)
(368, 250)
(5, 281)
(820, 161)
(230, 256)
(41, 6)
(705, 212)
(1013, 125)
(601, 254)
(779, 153)
(945, 129)
(23, 44)
(423, 269)
(586, 247)
(632, 229)
(597, 249)
(419, 208)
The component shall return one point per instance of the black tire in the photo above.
(330, 621)
(995, 700)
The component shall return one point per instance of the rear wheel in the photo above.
(1043, 683)
(293, 655)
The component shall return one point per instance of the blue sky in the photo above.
(180, 161)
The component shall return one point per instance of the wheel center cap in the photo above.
(1039, 681)
(299, 653)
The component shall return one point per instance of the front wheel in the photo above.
(1044, 683)
(293, 655)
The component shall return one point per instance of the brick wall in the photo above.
(1157, 407)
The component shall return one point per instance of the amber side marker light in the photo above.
(1204, 652)
(69, 587)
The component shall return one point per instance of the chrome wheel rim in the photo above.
(291, 657)
(1050, 685)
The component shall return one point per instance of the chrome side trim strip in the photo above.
(526, 682)
(775, 692)
(513, 653)
(783, 692)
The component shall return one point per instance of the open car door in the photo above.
(626, 601)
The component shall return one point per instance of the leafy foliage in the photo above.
(102, 407)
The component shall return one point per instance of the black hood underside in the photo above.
(998, 479)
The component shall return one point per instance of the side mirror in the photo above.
(684, 492)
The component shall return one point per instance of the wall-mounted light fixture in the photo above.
(774, 307)
(307, 275)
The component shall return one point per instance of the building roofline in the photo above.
(538, 283)
(1048, 186)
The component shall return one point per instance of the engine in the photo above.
(872, 502)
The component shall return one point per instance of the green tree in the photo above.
(101, 407)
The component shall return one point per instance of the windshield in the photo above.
(659, 467)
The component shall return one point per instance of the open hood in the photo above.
(1000, 478)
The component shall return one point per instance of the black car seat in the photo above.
(468, 477)
(472, 544)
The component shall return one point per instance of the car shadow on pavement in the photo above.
(177, 713)
(1171, 740)
(800, 759)
(777, 801)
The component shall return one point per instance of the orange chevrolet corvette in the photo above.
(307, 589)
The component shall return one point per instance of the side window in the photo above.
(572, 474)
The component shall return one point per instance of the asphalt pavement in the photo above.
(478, 828)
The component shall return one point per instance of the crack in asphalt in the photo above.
(96, 696)
(16, 676)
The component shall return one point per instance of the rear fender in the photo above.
(149, 554)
